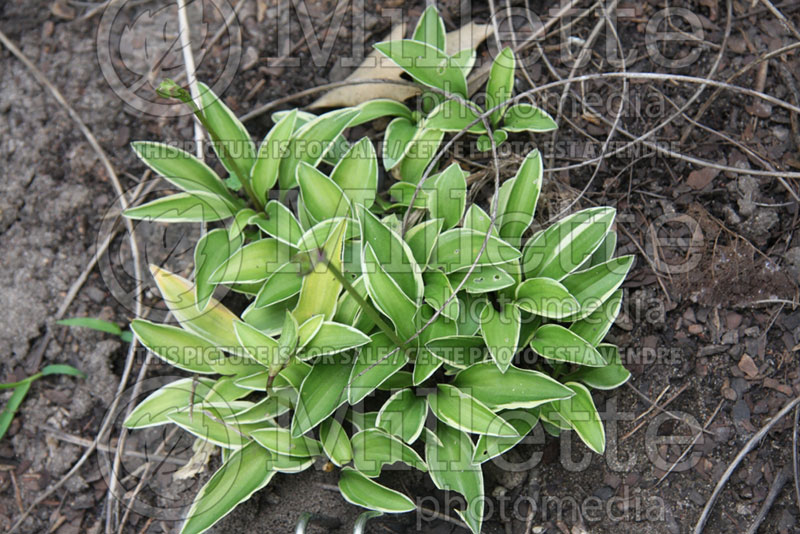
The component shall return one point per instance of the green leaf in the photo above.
(484, 279)
(516, 388)
(357, 172)
(362, 420)
(309, 329)
(281, 441)
(269, 319)
(95, 324)
(459, 248)
(387, 295)
(464, 60)
(13, 404)
(177, 346)
(332, 338)
(402, 193)
(320, 291)
(215, 323)
(484, 143)
(581, 414)
(260, 347)
(62, 369)
(527, 118)
(594, 327)
(264, 173)
(557, 251)
(500, 86)
(279, 222)
(437, 291)
(425, 64)
(464, 412)
(516, 214)
(425, 365)
(321, 196)
(594, 286)
(489, 447)
(153, 410)
(205, 421)
(453, 116)
(611, 376)
(323, 390)
(448, 453)
(430, 29)
(278, 403)
(458, 351)
(380, 107)
(447, 196)
(233, 145)
(392, 254)
(422, 238)
(253, 263)
(373, 448)
(546, 297)
(245, 472)
(398, 135)
(211, 251)
(479, 220)
(282, 284)
(361, 491)
(603, 253)
(500, 331)
(183, 207)
(403, 415)
(419, 153)
(335, 442)
(181, 169)
(312, 142)
(372, 367)
(554, 342)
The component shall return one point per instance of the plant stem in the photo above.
(366, 307)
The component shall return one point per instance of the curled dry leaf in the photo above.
(376, 66)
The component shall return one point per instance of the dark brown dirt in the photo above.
(711, 247)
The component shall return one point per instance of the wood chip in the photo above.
(748, 366)
(700, 178)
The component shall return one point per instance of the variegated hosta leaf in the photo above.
(331, 338)
(245, 472)
(448, 453)
(422, 238)
(177, 346)
(580, 413)
(392, 253)
(387, 295)
(373, 367)
(211, 251)
(362, 491)
(264, 173)
(447, 195)
(464, 412)
(594, 327)
(527, 118)
(357, 172)
(154, 409)
(374, 448)
(516, 388)
(516, 212)
(335, 442)
(280, 441)
(322, 197)
(500, 86)
(426, 64)
(233, 144)
(489, 447)
(592, 287)
(215, 323)
(554, 342)
(610, 376)
(323, 390)
(500, 331)
(559, 250)
(547, 298)
(194, 206)
(403, 415)
(459, 248)
(321, 288)
(253, 263)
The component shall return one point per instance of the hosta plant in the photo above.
(430, 334)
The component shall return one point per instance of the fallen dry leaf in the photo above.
(748, 366)
(700, 178)
(376, 66)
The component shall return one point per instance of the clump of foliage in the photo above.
(371, 314)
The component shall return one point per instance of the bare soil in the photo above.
(695, 331)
